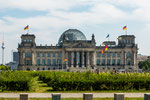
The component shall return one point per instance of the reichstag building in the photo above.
(75, 53)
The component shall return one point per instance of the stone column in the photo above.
(135, 59)
(87, 59)
(111, 59)
(87, 96)
(94, 58)
(118, 96)
(71, 59)
(122, 58)
(23, 58)
(125, 58)
(63, 57)
(77, 63)
(82, 59)
(106, 60)
(32, 58)
(23, 96)
(67, 59)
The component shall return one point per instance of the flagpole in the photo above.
(28, 29)
(126, 30)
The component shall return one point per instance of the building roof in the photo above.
(71, 35)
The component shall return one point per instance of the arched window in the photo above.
(128, 62)
(128, 54)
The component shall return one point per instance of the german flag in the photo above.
(125, 28)
(103, 50)
(106, 48)
(65, 60)
(27, 27)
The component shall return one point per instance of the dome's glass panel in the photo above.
(72, 34)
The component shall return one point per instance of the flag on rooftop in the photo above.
(65, 60)
(125, 28)
(3, 45)
(27, 27)
(107, 36)
(103, 50)
(106, 48)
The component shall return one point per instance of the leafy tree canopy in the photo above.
(145, 65)
(4, 67)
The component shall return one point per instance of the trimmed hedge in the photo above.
(16, 81)
(66, 81)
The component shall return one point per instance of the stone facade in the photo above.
(81, 54)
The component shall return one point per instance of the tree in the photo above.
(3, 67)
(145, 65)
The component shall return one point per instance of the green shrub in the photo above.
(65, 81)
(16, 81)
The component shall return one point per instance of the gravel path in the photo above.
(67, 95)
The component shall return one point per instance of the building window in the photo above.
(48, 62)
(53, 61)
(128, 62)
(28, 54)
(58, 61)
(28, 62)
(108, 55)
(43, 61)
(43, 55)
(108, 61)
(113, 55)
(118, 61)
(54, 55)
(59, 54)
(38, 62)
(43, 68)
(98, 55)
(38, 54)
(118, 55)
(48, 68)
(98, 62)
(103, 61)
(128, 55)
(113, 61)
(38, 68)
(103, 55)
(48, 55)
(25, 40)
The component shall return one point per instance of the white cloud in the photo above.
(49, 27)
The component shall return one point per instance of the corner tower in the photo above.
(26, 50)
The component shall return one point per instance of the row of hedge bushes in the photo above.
(16, 81)
(65, 81)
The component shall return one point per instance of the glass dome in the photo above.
(71, 35)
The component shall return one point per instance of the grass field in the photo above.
(73, 99)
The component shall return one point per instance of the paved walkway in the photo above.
(68, 95)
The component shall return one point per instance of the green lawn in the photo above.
(73, 99)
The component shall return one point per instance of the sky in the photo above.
(48, 19)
